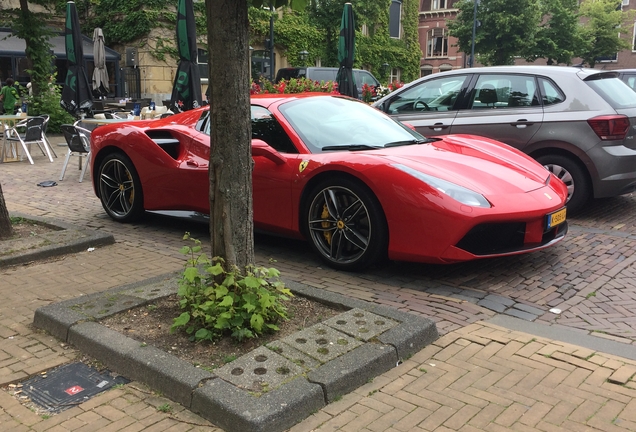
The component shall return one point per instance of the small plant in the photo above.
(151, 307)
(368, 93)
(218, 301)
(165, 408)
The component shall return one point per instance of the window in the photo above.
(426, 70)
(551, 93)
(266, 128)
(395, 19)
(634, 38)
(202, 56)
(394, 75)
(438, 4)
(437, 43)
(504, 91)
(432, 95)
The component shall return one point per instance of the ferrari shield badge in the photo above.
(303, 165)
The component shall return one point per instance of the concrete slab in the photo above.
(321, 342)
(260, 370)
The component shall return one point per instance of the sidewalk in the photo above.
(478, 376)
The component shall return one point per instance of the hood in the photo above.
(480, 164)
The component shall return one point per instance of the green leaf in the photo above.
(190, 274)
(256, 322)
(221, 291)
(215, 270)
(203, 334)
(227, 301)
(185, 250)
(252, 282)
(181, 320)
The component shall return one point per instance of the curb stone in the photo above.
(224, 404)
(66, 239)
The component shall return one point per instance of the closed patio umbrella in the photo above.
(186, 91)
(76, 93)
(346, 53)
(100, 74)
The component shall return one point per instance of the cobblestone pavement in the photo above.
(477, 376)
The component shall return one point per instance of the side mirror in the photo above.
(261, 148)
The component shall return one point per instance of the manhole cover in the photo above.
(67, 386)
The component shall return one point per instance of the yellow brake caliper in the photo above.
(325, 224)
(132, 194)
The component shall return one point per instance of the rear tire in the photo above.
(574, 177)
(120, 188)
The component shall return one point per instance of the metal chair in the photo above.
(32, 135)
(29, 138)
(78, 141)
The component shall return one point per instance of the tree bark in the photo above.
(6, 229)
(230, 171)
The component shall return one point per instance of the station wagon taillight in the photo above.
(610, 127)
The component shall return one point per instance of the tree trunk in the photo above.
(231, 213)
(6, 229)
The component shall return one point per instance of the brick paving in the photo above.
(477, 376)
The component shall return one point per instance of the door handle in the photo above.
(521, 123)
(190, 162)
(438, 126)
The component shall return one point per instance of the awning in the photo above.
(13, 46)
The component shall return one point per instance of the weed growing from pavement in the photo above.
(166, 408)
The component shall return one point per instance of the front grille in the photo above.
(501, 238)
(494, 238)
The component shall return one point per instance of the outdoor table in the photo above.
(10, 151)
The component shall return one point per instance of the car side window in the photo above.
(430, 95)
(630, 80)
(265, 127)
(551, 93)
(368, 79)
(504, 91)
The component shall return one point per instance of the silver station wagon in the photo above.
(579, 123)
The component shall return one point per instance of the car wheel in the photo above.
(573, 176)
(345, 224)
(120, 189)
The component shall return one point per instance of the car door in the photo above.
(431, 105)
(272, 179)
(505, 107)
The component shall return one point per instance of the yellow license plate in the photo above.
(556, 218)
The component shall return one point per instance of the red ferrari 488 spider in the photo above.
(357, 185)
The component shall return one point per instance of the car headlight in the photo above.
(456, 192)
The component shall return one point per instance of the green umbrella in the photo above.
(76, 93)
(346, 53)
(186, 91)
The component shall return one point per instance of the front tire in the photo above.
(576, 180)
(345, 224)
(120, 188)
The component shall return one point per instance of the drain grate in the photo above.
(67, 386)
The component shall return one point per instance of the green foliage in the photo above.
(217, 301)
(559, 36)
(604, 22)
(507, 28)
(47, 101)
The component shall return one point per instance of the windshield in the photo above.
(334, 121)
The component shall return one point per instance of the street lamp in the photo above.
(384, 68)
(472, 44)
(303, 56)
